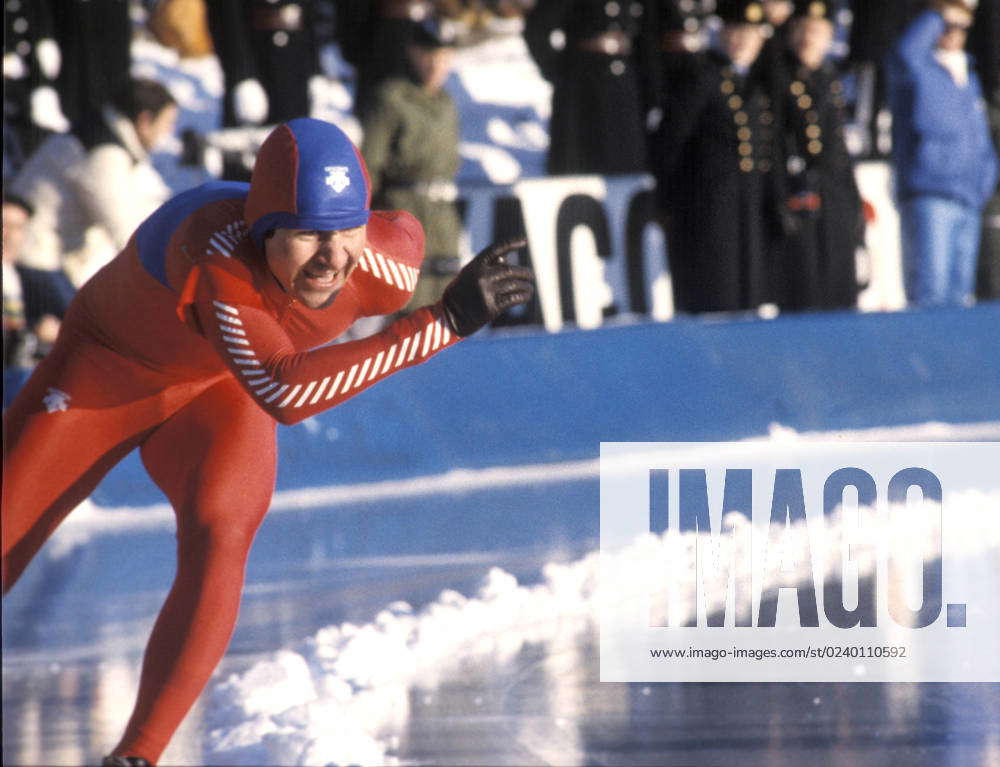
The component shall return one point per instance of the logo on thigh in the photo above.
(56, 400)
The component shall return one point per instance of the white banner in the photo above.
(819, 562)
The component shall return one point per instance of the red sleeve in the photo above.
(291, 385)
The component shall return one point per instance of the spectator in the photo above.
(95, 38)
(946, 167)
(983, 45)
(777, 15)
(821, 209)
(601, 60)
(33, 304)
(31, 63)
(91, 190)
(874, 28)
(373, 37)
(712, 162)
(411, 137)
(269, 52)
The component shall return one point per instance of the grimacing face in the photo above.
(312, 266)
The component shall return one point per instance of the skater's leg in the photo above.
(80, 413)
(215, 460)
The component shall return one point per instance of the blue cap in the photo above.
(308, 175)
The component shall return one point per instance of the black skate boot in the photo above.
(125, 761)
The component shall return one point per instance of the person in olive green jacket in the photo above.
(411, 136)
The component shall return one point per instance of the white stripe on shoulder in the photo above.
(226, 307)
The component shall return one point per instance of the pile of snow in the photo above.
(341, 697)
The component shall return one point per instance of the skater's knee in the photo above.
(229, 535)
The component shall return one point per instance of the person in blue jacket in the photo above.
(946, 166)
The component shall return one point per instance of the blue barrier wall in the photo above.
(532, 398)
(500, 401)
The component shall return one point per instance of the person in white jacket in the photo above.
(91, 188)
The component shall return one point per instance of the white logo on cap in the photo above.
(337, 178)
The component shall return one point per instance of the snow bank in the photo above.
(341, 696)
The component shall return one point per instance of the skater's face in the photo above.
(312, 266)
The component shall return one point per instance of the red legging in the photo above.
(205, 444)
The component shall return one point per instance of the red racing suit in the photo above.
(187, 347)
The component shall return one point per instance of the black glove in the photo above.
(485, 287)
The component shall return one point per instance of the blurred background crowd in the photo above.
(750, 116)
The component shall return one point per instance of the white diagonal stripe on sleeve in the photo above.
(364, 371)
(231, 329)
(225, 307)
(320, 390)
(227, 318)
(428, 333)
(437, 335)
(241, 352)
(388, 359)
(336, 382)
(445, 333)
(363, 261)
(413, 350)
(291, 395)
(402, 352)
(350, 379)
(265, 389)
(235, 340)
(378, 361)
(256, 372)
(278, 393)
(306, 393)
(247, 362)
(258, 381)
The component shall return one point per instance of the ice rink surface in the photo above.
(370, 641)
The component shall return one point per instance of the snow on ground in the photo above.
(341, 696)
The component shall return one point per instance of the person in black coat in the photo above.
(95, 37)
(600, 57)
(820, 204)
(269, 51)
(985, 50)
(712, 157)
(31, 62)
(374, 36)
